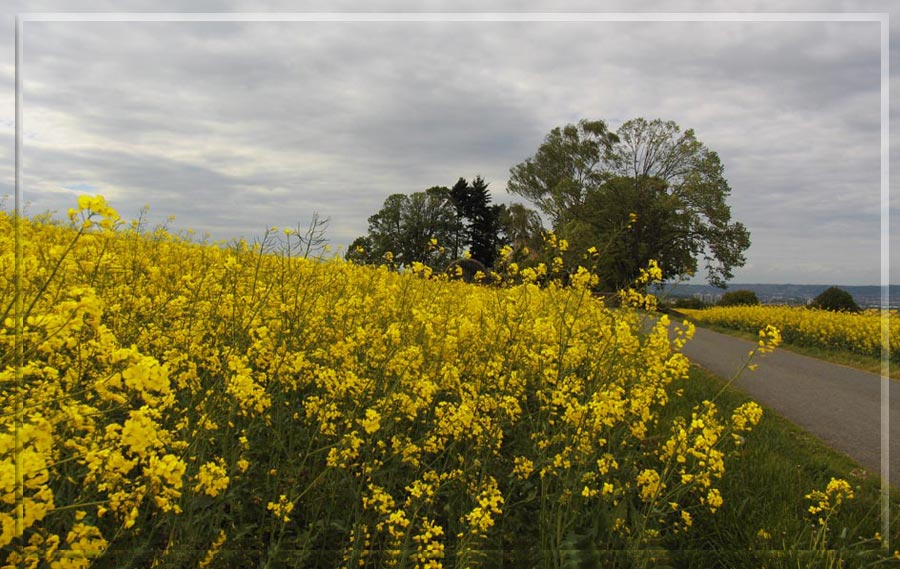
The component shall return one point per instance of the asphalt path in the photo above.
(839, 405)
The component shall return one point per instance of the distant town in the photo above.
(865, 296)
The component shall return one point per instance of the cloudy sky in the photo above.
(234, 126)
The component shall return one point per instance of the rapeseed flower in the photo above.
(172, 382)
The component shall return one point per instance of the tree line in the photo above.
(646, 191)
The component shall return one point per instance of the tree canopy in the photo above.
(433, 227)
(407, 226)
(566, 166)
(835, 299)
(646, 191)
(521, 227)
(480, 219)
(739, 298)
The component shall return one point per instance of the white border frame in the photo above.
(882, 18)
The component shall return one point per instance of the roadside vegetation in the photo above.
(766, 519)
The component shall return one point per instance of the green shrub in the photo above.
(836, 300)
(738, 298)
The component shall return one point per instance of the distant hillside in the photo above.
(865, 296)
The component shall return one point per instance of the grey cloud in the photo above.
(234, 126)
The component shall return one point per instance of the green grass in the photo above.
(764, 488)
(840, 357)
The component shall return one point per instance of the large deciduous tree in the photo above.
(589, 181)
(407, 226)
(567, 165)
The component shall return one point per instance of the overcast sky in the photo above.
(231, 127)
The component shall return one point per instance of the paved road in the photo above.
(839, 405)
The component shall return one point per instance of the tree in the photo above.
(565, 168)
(590, 181)
(428, 219)
(628, 240)
(362, 251)
(739, 298)
(459, 195)
(836, 300)
(484, 223)
(408, 227)
(520, 226)
(478, 222)
(433, 227)
(387, 227)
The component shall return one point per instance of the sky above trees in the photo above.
(232, 126)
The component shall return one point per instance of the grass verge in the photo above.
(765, 519)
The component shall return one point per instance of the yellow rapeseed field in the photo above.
(171, 403)
(854, 332)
